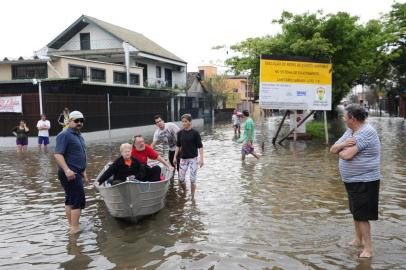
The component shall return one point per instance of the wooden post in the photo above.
(325, 126)
(279, 128)
(298, 125)
(262, 117)
(295, 126)
(109, 124)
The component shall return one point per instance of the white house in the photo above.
(102, 53)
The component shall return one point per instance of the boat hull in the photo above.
(133, 199)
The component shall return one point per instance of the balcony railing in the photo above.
(161, 84)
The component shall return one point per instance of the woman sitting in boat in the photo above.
(126, 167)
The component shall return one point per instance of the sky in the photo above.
(189, 29)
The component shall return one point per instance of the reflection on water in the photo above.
(288, 210)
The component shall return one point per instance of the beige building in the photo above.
(207, 71)
(60, 67)
(238, 88)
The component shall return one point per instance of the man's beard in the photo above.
(78, 127)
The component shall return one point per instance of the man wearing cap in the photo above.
(70, 155)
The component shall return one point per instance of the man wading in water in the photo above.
(248, 136)
(359, 152)
(70, 155)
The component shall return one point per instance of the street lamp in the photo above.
(35, 82)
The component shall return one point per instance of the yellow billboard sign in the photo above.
(294, 83)
(295, 72)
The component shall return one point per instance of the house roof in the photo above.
(190, 78)
(137, 40)
(193, 77)
(24, 60)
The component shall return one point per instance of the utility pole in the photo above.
(34, 82)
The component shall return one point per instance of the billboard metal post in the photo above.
(279, 128)
(325, 126)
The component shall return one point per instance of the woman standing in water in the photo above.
(21, 133)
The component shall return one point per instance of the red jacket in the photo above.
(142, 156)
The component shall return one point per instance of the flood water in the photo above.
(286, 211)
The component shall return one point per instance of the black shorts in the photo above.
(152, 174)
(363, 198)
(171, 154)
(74, 192)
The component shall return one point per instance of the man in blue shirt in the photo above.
(359, 152)
(70, 155)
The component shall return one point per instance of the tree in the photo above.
(395, 22)
(217, 85)
(355, 50)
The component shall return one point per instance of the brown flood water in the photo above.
(286, 211)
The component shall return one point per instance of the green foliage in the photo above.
(316, 129)
(356, 51)
(395, 23)
(217, 85)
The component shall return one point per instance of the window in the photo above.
(144, 72)
(97, 75)
(158, 72)
(168, 77)
(85, 41)
(235, 90)
(119, 77)
(77, 72)
(134, 79)
(38, 71)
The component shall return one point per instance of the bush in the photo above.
(316, 129)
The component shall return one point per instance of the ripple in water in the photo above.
(288, 210)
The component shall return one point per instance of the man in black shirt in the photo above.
(189, 143)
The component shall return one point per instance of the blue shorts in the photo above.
(245, 150)
(22, 142)
(43, 140)
(74, 192)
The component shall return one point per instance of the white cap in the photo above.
(75, 115)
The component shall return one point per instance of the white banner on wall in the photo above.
(11, 104)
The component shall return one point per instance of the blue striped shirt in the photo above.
(365, 165)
